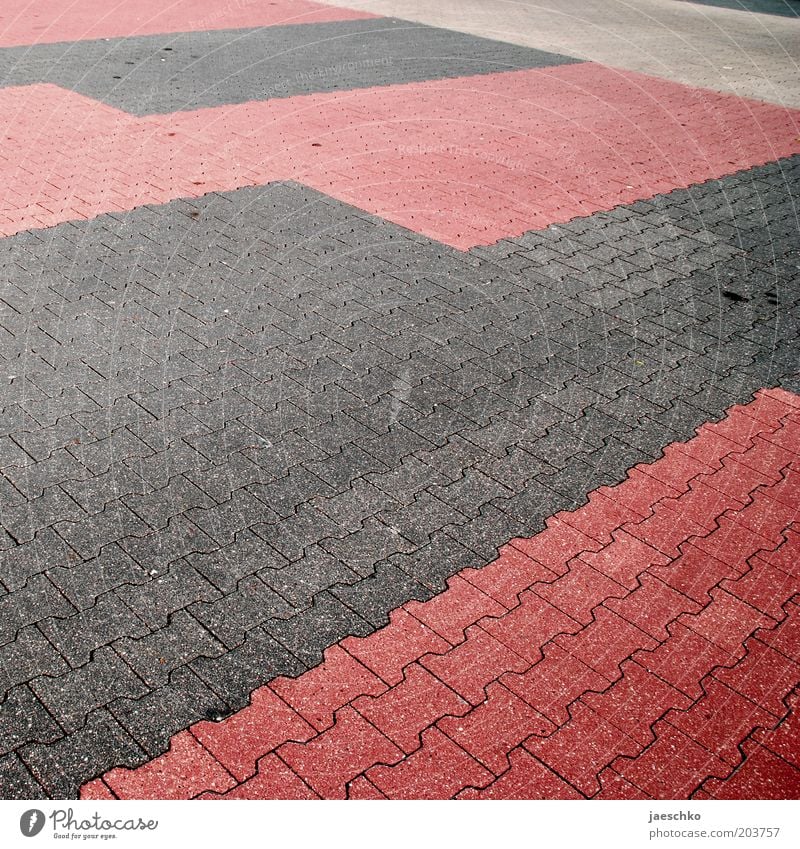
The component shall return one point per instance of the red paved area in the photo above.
(48, 21)
(533, 148)
(644, 645)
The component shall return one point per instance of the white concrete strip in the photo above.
(748, 54)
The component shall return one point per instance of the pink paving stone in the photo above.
(274, 780)
(528, 778)
(727, 621)
(652, 606)
(694, 573)
(784, 738)
(330, 761)
(635, 701)
(495, 727)
(625, 559)
(530, 626)
(582, 747)
(321, 691)
(240, 740)
(671, 767)
(186, 770)
(763, 775)
(363, 789)
(45, 21)
(456, 198)
(720, 720)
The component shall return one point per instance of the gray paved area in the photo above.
(171, 72)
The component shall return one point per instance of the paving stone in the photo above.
(71, 697)
(18, 783)
(377, 413)
(230, 618)
(114, 524)
(77, 636)
(84, 581)
(162, 73)
(184, 701)
(331, 620)
(29, 656)
(237, 673)
(39, 600)
(155, 655)
(167, 593)
(23, 719)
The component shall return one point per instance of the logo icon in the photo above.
(31, 822)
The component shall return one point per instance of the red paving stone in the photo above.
(505, 578)
(650, 681)
(598, 515)
(328, 762)
(784, 739)
(762, 775)
(492, 729)
(454, 610)
(274, 780)
(672, 767)
(186, 770)
(321, 691)
(67, 157)
(47, 21)
(527, 778)
(635, 701)
(263, 725)
(388, 651)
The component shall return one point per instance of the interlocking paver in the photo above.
(293, 346)
(601, 721)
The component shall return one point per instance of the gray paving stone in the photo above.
(389, 584)
(76, 637)
(29, 656)
(71, 697)
(37, 601)
(62, 767)
(167, 592)
(23, 719)
(84, 581)
(156, 654)
(176, 706)
(24, 522)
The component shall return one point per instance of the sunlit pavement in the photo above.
(399, 401)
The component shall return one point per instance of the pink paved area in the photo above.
(47, 21)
